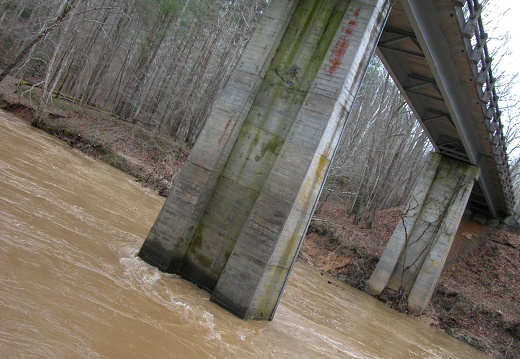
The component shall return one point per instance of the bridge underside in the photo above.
(435, 52)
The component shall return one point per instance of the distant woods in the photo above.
(158, 62)
(162, 63)
(382, 151)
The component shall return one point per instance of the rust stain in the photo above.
(341, 46)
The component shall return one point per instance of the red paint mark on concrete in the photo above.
(227, 124)
(225, 134)
(341, 46)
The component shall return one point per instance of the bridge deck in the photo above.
(435, 51)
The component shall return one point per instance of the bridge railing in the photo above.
(473, 29)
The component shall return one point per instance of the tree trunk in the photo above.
(67, 7)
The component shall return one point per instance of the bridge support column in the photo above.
(238, 210)
(414, 257)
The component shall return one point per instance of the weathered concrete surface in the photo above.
(237, 214)
(177, 223)
(414, 257)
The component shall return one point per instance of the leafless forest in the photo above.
(158, 62)
(162, 63)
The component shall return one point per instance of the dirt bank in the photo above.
(151, 156)
(477, 299)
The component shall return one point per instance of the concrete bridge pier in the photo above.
(238, 211)
(414, 257)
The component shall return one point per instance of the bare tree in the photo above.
(65, 9)
(58, 58)
(382, 150)
(506, 80)
(161, 63)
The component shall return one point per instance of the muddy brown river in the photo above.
(72, 286)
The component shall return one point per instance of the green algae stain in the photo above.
(266, 303)
(308, 39)
(197, 249)
(291, 73)
(271, 147)
(196, 243)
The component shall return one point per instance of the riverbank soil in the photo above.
(477, 296)
(147, 154)
(477, 299)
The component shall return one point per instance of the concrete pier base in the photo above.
(238, 211)
(414, 257)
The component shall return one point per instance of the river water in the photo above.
(71, 285)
